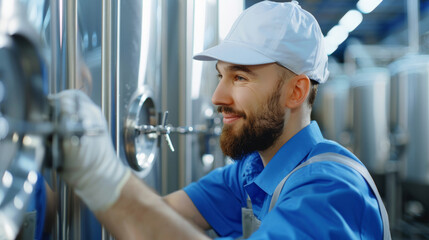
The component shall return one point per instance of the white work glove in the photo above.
(90, 165)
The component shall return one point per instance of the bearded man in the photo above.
(287, 181)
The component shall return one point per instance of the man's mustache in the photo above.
(226, 109)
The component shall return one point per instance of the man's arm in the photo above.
(123, 203)
(139, 213)
(183, 205)
(51, 208)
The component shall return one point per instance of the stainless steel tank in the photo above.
(204, 150)
(111, 51)
(133, 59)
(332, 109)
(136, 84)
(410, 116)
(370, 96)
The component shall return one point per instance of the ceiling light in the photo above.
(330, 45)
(366, 6)
(351, 20)
(338, 34)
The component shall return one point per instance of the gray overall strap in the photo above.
(249, 221)
(249, 202)
(28, 228)
(338, 158)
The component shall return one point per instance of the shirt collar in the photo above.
(292, 153)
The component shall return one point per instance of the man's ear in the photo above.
(297, 91)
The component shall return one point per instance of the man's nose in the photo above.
(222, 94)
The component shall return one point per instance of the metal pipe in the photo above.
(106, 61)
(56, 77)
(188, 112)
(71, 218)
(163, 91)
(117, 78)
(106, 74)
(413, 25)
(63, 203)
(183, 94)
(71, 43)
(55, 51)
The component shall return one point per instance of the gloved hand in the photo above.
(90, 165)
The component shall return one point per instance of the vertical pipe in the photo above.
(173, 90)
(117, 83)
(71, 43)
(182, 90)
(106, 62)
(54, 78)
(64, 226)
(71, 218)
(188, 118)
(106, 74)
(164, 83)
(55, 36)
(413, 25)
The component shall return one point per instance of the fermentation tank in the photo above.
(332, 109)
(370, 134)
(410, 116)
(134, 60)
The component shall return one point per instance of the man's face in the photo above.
(249, 97)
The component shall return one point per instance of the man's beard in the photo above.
(258, 132)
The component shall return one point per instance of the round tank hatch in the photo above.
(141, 149)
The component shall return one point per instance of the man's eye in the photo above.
(219, 76)
(240, 78)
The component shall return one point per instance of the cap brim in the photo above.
(233, 53)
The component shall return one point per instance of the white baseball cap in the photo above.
(269, 32)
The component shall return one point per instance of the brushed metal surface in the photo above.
(370, 94)
(410, 114)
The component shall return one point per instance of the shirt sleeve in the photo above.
(323, 201)
(218, 196)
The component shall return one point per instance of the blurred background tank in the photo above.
(332, 109)
(410, 128)
(370, 96)
(410, 114)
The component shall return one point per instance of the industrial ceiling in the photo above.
(388, 19)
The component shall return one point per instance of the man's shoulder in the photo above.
(341, 170)
(323, 175)
(321, 171)
(332, 147)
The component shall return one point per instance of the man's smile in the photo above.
(230, 117)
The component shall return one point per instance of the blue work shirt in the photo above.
(38, 203)
(324, 200)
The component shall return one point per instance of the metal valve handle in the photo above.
(165, 129)
(162, 129)
(144, 126)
